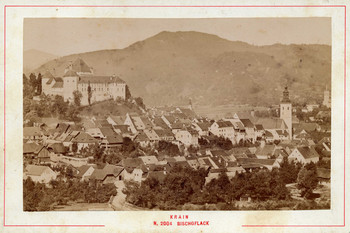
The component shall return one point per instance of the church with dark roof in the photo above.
(80, 77)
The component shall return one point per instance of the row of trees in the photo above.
(39, 197)
(183, 185)
(32, 86)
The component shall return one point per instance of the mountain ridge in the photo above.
(171, 67)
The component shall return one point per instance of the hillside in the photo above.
(171, 67)
(33, 58)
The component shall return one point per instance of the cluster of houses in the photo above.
(51, 142)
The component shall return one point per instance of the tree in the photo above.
(32, 81)
(75, 147)
(127, 92)
(77, 97)
(38, 84)
(139, 102)
(89, 93)
(59, 106)
(27, 88)
(307, 179)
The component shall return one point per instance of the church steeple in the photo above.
(286, 95)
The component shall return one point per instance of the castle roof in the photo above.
(70, 73)
(99, 79)
(79, 65)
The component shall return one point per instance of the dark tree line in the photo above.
(39, 197)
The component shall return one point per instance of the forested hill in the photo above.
(171, 67)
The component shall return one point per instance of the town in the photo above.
(89, 144)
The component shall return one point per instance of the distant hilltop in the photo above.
(173, 67)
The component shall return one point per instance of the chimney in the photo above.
(92, 70)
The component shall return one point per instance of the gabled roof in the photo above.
(259, 127)
(124, 129)
(224, 124)
(31, 148)
(263, 162)
(58, 85)
(271, 123)
(119, 120)
(107, 131)
(58, 148)
(48, 75)
(36, 170)
(79, 65)
(247, 123)
(115, 139)
(158, 121)
(266, 150)
(70, 73)
(83, 137)
(204, 126)
(188, 112)
(82, 170)
(31, 131)
(164, 133)
(89, 78)
(308, 152)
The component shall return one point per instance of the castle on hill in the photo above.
(78, 76)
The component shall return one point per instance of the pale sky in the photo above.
(66, 36)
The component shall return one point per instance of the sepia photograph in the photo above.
(170, 114)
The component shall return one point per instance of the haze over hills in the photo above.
(171, 67)
(34, 58)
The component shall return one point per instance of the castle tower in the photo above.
(286, 111)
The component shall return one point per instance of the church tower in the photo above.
(286, 111)
(326, 98)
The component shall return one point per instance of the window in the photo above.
(287, 108)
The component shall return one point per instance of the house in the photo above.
(109, 174)
(116, 120)
(84, 172)
(57, 148)
(82, 139)
(187, 137)
(134, 169)
(32, 133)
(304, 155)
(35, 152)
(202, 128)
(282, 135)
(240, 133)
(122, 129)
(251, 164)
(40, 174)
(265, 152)
(249, 130)
(259, 131)
(165, 134)
(272, 124)
(223, 129)
(30, 150)
(160, 123)
(323, 116)
(95, 133)
(112, 141)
